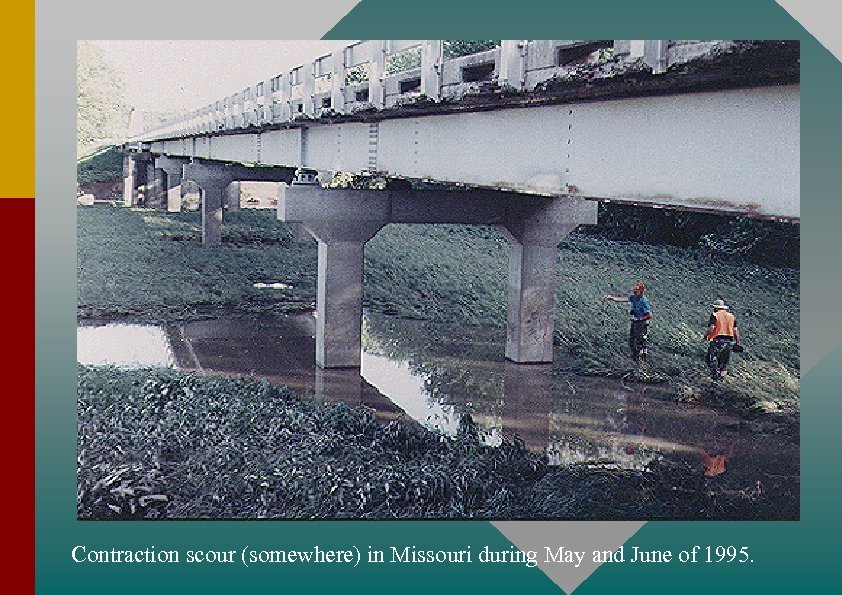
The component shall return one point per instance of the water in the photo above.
(434, 374)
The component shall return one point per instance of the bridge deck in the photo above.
(718, 135)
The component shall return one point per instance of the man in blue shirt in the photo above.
(641, 314)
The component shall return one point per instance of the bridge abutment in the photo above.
(344, 220)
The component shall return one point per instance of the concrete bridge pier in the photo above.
(339, 290)
(234, 196)
(213, 179)
(154, 186)
(172, 169)
(534, 235)
(135, 173)
(344, 220)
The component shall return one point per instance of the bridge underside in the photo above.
(728, 151)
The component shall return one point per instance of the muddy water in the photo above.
(433, 375)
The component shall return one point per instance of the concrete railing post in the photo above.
(376, 74)
(431, 65)
(286, 97)
(512, 67)
(655, 54)
(337, 93)
(309, 89)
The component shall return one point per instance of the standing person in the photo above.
(721, 333)
(641, 314)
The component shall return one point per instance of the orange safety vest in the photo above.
(725, 323)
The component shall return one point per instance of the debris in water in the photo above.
(272, 286)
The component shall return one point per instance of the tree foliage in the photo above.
(101, 110)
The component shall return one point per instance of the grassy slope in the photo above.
(150, 266)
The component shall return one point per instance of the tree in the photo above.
(101, 110)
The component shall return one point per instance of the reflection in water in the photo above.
(133, 345)
(434, 374)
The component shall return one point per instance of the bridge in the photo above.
(525, 135)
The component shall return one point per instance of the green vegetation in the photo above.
(104, 166)
(102, 113)
(151, 266)
(162, 444)
(457, 274)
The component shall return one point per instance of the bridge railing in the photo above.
(367, 75)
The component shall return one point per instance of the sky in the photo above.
(164, 76)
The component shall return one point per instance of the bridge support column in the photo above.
(339, 291)
(534, 237)
(173, 174)
(156, 194)
(234, 196)
(344, 220)
(129, 176)
(134, 172)
(214, 178)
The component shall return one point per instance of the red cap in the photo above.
(638, 287)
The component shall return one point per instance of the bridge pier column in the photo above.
(212, 193)
(339, 291)
(129, 179)
(234, 196)
(157, 189)
(531, 302)
(135, 177)
(213, 180)
(344, 220)
(173, 174)
(534, 236)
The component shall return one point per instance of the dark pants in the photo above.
(719, 353)
(638, 333)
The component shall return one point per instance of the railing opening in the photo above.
(478, 73)
(412, 85)
(569, 56)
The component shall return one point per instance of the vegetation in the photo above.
(457, 274)
(161, 444)
(104, 166)
(190, 280)
(102, 113)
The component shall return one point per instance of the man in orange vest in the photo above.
(721, 333)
